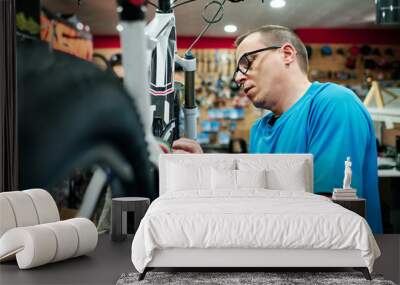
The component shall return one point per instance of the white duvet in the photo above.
(253, 218)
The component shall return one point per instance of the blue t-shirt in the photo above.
(330, 122)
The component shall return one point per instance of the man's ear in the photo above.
(289, 53)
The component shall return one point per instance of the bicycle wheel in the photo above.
(71, 115)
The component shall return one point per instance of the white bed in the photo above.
(198, 223)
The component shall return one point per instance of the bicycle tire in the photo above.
(66, 108)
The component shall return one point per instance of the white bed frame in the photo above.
(251, 258)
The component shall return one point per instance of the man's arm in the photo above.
(337, 129)
(184, 145)
(340, 126)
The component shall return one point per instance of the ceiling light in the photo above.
(119, 28)
(277, 3)
(230, 28)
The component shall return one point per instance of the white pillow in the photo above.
(294, 178)
(251, 178)
(280, 174)
(223, 179)
(187, 177)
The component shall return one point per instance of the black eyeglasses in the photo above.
(245, 62)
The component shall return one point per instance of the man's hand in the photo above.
(184, 145)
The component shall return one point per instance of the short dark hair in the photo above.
(279, 35)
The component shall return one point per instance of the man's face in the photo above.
(264, 74)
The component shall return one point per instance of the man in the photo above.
(324, 119)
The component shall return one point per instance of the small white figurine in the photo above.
(347, 174)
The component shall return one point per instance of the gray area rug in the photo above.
(229, 278)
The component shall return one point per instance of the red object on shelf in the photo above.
(183, 42)
(136, 2)
(307, 35)
(349, 35)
